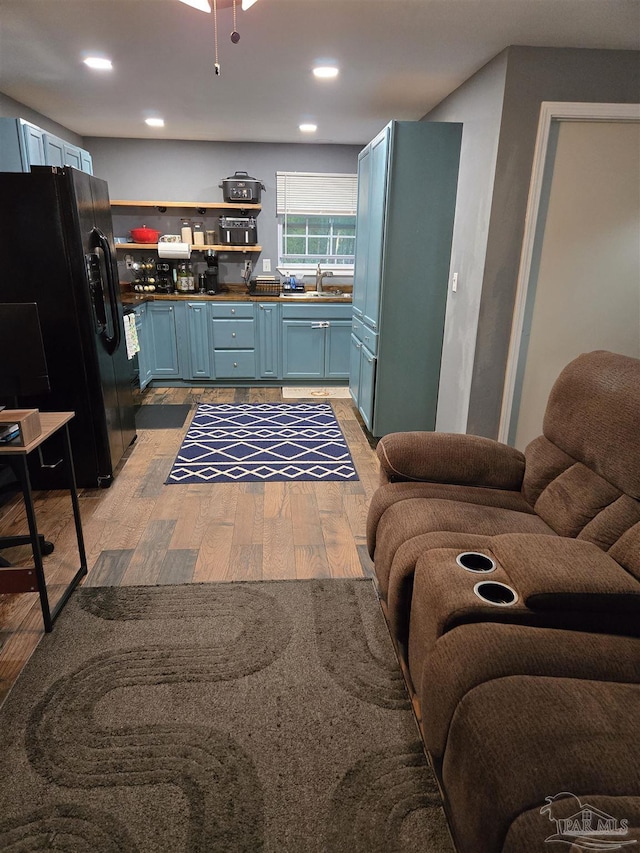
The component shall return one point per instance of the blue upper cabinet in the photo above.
(33, 145)
(407, 182)
(23, 145)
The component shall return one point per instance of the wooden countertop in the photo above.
(138, 298)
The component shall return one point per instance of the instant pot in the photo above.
(241, 187)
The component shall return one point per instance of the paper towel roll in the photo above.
(174, 250)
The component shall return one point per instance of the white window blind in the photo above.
(316, 193)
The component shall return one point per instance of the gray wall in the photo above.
(533, 75)
(170, 170)
(478, 104)
(14, 109)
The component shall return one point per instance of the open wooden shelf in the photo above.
(198, 205)
(153, 247)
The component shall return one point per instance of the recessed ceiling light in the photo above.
(99, 63)
(155, 122)
(308, 128)
(201, 5)
(325, 71)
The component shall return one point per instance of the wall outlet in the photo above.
(266, 265)
(128, 261)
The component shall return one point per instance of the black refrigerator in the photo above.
(57, 250)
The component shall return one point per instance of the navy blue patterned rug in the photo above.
(240, 442)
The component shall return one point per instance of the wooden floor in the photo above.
(141, 531)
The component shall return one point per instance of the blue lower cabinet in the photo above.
(269, 340)
(315, 341)
(337, 352)
(144, 366)
(354, 368)
(163, 340)
(233, 337)
(303, 349)
(199, 348)
(367, 385)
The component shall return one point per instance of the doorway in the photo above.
(579, 283)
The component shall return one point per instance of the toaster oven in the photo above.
(238, 231)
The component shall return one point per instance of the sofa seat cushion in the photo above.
(470, 655)
(390, 494)
(515, 741)
(406, 519)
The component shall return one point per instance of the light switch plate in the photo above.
(266, 265)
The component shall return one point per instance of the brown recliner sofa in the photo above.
(580, 480)
(511, 585)
(515, 716)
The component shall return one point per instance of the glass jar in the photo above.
(185, 231)
(198, 234)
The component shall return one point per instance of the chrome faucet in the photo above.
(319, 276)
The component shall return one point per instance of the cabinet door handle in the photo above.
(233, 310)
(235, 363)
(358, 346)
(233, 334)
(317, 325)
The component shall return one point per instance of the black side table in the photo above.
(32, 579)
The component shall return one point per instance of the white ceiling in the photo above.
(398, 58)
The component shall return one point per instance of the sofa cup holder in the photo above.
(496, 593)
(473, 561)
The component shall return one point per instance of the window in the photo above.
(316, 221)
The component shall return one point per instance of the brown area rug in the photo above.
(217, 718)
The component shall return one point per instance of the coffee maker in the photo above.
(165, 277)
(212, 285)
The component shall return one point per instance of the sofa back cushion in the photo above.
(582, 477)
(593, 415)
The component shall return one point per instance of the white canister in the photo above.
(185, 232)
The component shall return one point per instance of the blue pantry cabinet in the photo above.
(407, 181)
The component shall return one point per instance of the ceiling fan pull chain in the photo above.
(215, 37)
(235, 35)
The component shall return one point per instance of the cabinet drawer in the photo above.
(364, 334)
(233, 334)
(232, 309)
(235, 363)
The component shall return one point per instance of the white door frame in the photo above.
(550, 111)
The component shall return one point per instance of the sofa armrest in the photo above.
(441, 457)
(556, 573)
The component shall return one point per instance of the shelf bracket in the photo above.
(162, 209)
(201, 210)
